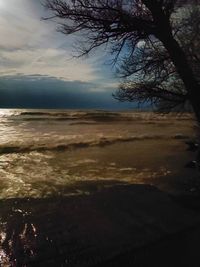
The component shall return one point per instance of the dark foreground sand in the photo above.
(127, 225)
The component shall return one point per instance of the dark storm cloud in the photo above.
(38, 91)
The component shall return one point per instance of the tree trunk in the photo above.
(184, 70)
(186, 74)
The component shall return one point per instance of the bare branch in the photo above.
(154, 43)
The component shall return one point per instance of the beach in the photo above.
(79, 188)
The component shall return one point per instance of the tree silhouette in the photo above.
(151, 74)
(155, 45)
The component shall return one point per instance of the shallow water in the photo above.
(48, 152)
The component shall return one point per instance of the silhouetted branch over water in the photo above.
(155, 45)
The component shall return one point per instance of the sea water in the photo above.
(45, 153)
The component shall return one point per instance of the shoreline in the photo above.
(118, 226)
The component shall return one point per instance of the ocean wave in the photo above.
(100, 116)
(69, 115)
(101, 142)
(37, 113)
(49, 119)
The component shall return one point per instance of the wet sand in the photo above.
(119, 226)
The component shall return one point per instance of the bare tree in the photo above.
(155, 44)
(151, 75)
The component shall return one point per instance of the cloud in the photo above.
(38, 91)
(36, 65)
(30, 45)
(51, 61)
(20, 26)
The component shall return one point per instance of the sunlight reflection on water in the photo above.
(83, 151)
(12, 243)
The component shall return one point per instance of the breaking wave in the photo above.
(104, 141)
(70, 115)
(96, 115)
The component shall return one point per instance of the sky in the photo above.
(37, 67)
